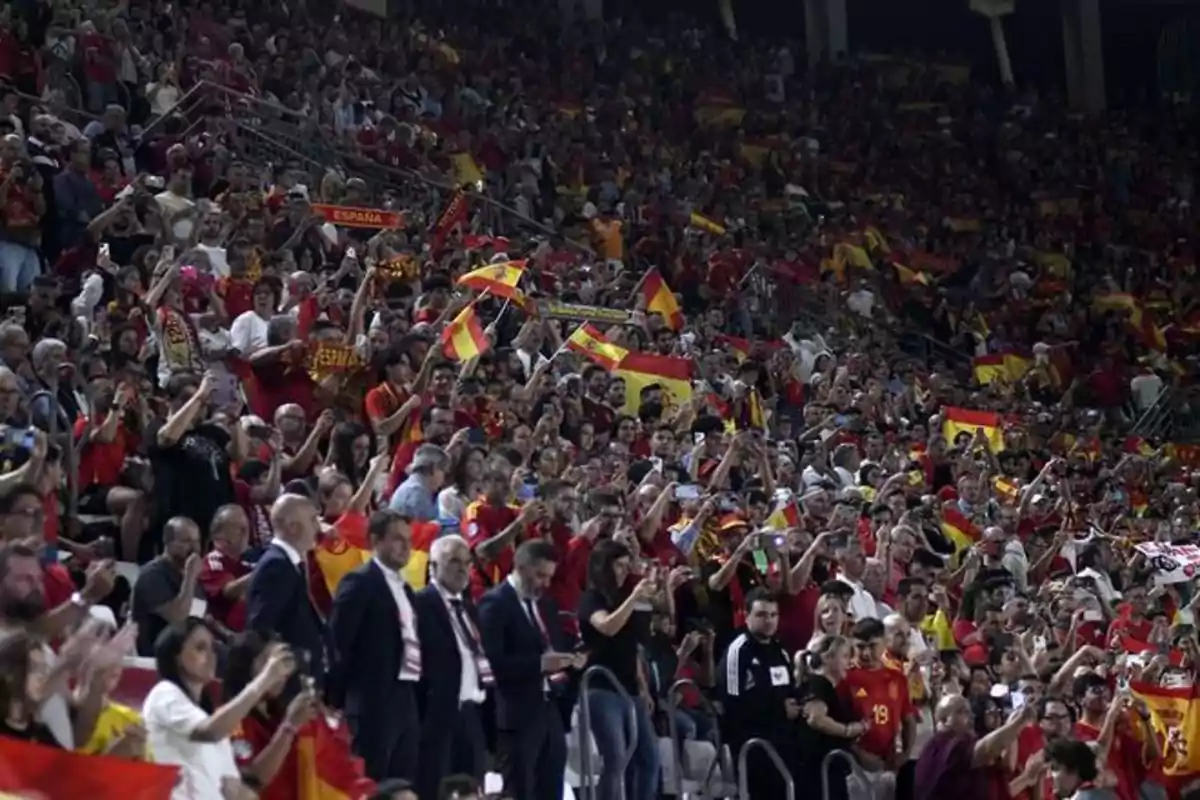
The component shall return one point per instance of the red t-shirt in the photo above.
(481, 521)
(973, 654)
(220, 570)
(57, 585)
(881, 696)
(797, 617)
(100, 463)
(1030, 742)
(249, 740)
(278, 384)
(1124, 758)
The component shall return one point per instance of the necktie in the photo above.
(537, 620)
(464, 625)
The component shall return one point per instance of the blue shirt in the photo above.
(412, 499)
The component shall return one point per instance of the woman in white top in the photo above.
(181, 726)
(467, 472)
(249, 331)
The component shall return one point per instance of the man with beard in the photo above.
(1055, 719)
(167, 590)
(23, 606)
(105, 439)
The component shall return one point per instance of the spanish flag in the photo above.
(741, 347)
(852, 254)
(35, 770)
(753, 416)
(958, 529)
(589, 341)
(963, 420)
(640, 370)
(660, 299)
(416, 571)
(1141, 322)
(786, 515)
(327, 769)
(718, 108)
(1175, 716)
(464, 339)
(701, 222)
(1009, 367)
(336, 556)
(1007, 489)
(498, 280)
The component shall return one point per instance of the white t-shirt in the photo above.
(248, 333)
(170, 717)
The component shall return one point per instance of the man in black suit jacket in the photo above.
(527, 649)
(278, 599)
(377, 654)
(456, 674)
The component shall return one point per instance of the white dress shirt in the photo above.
(537, 625)
(410, 667)
(468, 680)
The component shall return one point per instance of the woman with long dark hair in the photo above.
(350, 449)
(612, 620)
(23, 673)
(182, 727)
(265, 743)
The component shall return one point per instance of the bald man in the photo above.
(954, 762)
(279, 599)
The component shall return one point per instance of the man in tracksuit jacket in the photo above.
(759, 695)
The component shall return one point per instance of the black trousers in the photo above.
(533, 757)
(455, 748)
(387, 737)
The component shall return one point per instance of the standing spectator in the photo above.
(612, 621)
(377, 667)
(527, 650)
(75, 196)
(183, 726)
(279, 599)
(759, 695)
(225, 577)
(828, 722)
(167, 590)
(415, 498)
(455, 673)
(954, 763)
(265, 742)
(22, 205)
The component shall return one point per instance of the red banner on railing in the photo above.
(352, 217)
(35, 770)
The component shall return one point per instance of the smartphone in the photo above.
(168, 253)
(1018, 700)
(19, 437)
(687, 491)
(527, 491)
(657, 463)
(839, 540)
(698, 438)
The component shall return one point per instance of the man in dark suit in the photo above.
(528, 652)
(456, 674)
(278, 599)
(377, 653)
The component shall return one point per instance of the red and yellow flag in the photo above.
(909, 276)
(328, 770)
(416, 571)
(589, 341)
(958, 529)
(498, 280)
(1175, 717)
(1009, 367)
(660, 299)
(957, 421)
(641, 370)
(786, 515)
(335, 556)
(34, 770)
(464, 339)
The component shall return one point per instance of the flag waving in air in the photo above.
(464, 339)
(660, 300)
(589, 341)
(498, 280)
(642, 370)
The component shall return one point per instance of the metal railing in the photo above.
(677, 744)
(1156, 421)
(827, 762)
(586, 785)
(789, 783)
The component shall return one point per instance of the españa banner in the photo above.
(1175, 716)
(351, 217)
(34, 770)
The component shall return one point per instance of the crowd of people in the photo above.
(807, 401)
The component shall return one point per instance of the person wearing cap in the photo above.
(415, 498)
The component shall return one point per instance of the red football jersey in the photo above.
(881, 697)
